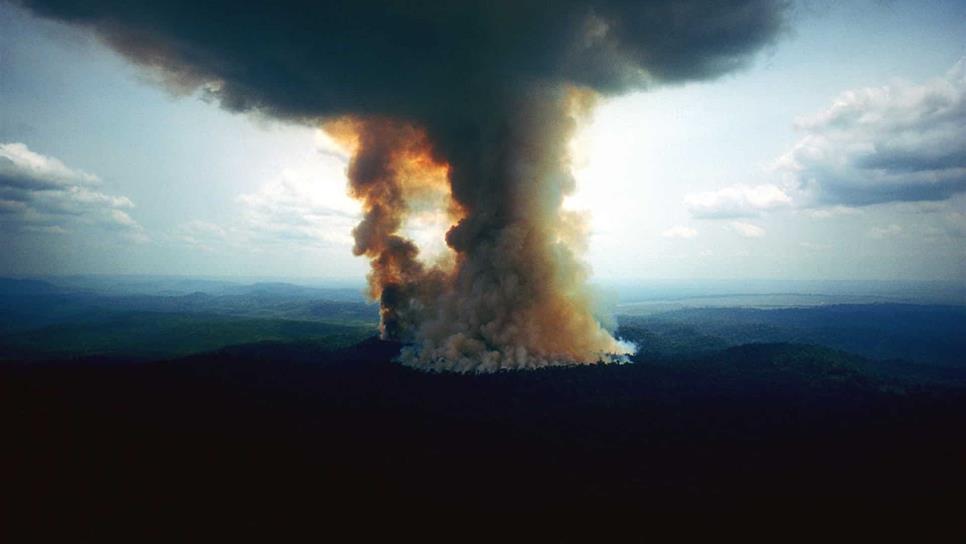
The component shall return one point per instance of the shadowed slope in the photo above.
(274, 429)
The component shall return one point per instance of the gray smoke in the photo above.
(477, 99)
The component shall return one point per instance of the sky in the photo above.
(839, 153)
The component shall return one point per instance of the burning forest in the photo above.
(463, 109)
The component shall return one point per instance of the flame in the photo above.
(509, 291)
(400, 184)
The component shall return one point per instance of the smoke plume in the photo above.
(466, 106)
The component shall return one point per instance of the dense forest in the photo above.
(242, 403)
(283, 428)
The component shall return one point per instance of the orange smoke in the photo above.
(394, 175)
(512, 293)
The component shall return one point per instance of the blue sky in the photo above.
(840, 153)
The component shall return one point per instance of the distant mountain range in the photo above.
(41, 320)
(172, 286)
(929, 334)
(13, 286)
(240, 401)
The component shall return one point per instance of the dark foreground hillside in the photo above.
(268, 430)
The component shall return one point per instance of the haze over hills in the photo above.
(287, 392)
(153, 318)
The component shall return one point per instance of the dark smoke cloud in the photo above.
(421, 59)
(487, 92)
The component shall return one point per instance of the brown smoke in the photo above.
(513, 295)
(463, 106)
(393, 173)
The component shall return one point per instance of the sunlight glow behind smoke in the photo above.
(513, 294)
(462, 108)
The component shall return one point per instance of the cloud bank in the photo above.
(292, 211)
(737, 201)
(877, 145)
(895, 143)
(40, 194)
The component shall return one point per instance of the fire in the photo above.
(509, 289)
(401, 186)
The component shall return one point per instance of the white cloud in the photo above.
(895, 143)
(40, 194)
(737, 201)
(680, 232)
(886, 231)
(829, 211)
(305, 206)
(747, 230)
(898, 143)
(22, 168)
(300, 207)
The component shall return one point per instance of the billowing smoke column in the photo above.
(466, 104)
(514, 294)
(391, 171)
